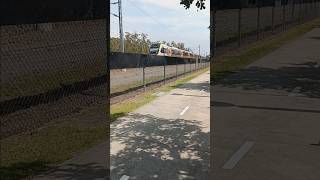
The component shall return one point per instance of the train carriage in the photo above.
(161, 49)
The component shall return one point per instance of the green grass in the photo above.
(232, 62)
(26, 155)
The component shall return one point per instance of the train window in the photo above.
(155, 46)
(154, 51)
(163, 50)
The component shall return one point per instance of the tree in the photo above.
(187, 3)
(201, 5)
(174, 44)
(180, 45)
(134, 43)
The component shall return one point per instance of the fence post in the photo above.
(191, 65)
(305, 16)
(292, 13)
(144, 76)
(164, 72)
(184, 67)
(317, 8)
(195, 66)
(306, 11)
(309, 10)
(239, 27)
(300, 9)
(258, 24)
(201, 64)
(314, 9)
(284, 17)
(176, 68)
(272, 20)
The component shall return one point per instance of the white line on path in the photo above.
(235, 158)
(184, 110)
(124, 177)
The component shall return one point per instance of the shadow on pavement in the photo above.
(300, 78)
(315, 37)
(224, 104)
(196, 86)
(157, 148)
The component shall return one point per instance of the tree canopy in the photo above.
(199, 3)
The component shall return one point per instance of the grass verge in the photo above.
(234, 61)
(26, 155)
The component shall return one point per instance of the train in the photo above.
(162, 49)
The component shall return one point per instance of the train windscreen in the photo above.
(154, 50)
(155, 46)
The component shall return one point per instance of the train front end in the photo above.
(154, 49)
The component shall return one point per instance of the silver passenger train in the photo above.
(161, 49)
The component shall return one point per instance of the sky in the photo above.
(164, 20)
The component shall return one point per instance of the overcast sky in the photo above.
(165, 20)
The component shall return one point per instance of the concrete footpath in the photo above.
(166, 139)
(266, 118)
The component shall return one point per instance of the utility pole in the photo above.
(199, 61)
(120, 26)
(119, 16)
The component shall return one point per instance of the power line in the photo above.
(148, 15)
(144, 12)
(152, 18)
(135, 26)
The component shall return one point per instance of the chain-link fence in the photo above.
(235, 27)
(48, 70)
(132, 71)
